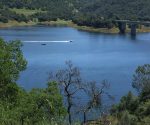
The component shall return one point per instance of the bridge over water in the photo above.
(133, 24)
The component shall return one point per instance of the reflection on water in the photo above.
(99, 56)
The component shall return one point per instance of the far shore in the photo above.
(114, 30)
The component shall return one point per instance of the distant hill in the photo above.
(95, 13)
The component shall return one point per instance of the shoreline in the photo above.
(71, 24)
(16, 24)
(83, 28)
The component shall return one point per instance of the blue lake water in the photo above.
(112, 57)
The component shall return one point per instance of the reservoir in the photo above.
(110, 57)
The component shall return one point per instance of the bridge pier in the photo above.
(133, 25)
(122, 27)
(133, 29)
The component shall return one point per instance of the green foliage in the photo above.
(141, 81)
(3, 19)
(18, 106)
(138, 107)
(143, 109)
(129, 103)
(12, 60)
(41, 105)
(12, 63)
(119, 9)
(102, 13)
(52, 9)
(92, 20)
(35, 107)
(7, 14)
(127, 119)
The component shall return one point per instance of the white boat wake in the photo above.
(47, 41)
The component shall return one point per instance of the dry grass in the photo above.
(27, 12)
(15, 23)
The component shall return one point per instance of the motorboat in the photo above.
(43, 44)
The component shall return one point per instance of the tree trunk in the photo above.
(22, 121)
(84, 119)
(69, 109)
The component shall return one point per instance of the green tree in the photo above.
(41, 105)
(12, 63)
(127, 119)
(35, 107)
(133, 110)
(141, 81)
(18, 106)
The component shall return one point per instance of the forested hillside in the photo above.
(95, 13)
(121, 9)
(101, 13)
(54, 9)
